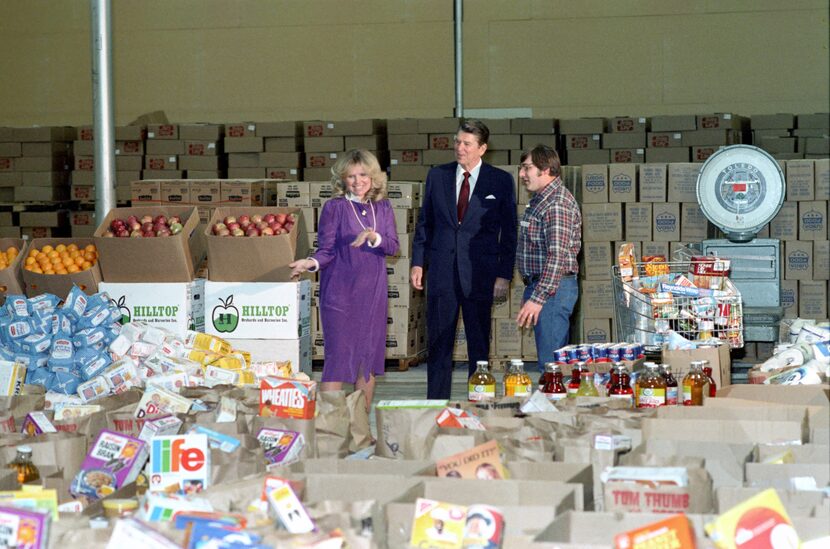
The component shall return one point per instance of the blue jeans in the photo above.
(553, 327)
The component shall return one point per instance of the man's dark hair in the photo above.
(544, 157)
(477, 128)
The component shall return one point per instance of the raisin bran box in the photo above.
(289, 398)
(114, 460)
(24, 528)
(280, 446)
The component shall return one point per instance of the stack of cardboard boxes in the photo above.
(202, 155)
(259, 150)
(791, 137)
(326, 141)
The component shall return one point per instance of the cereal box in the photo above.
(23, 528)
(12, 375)
(36, 423)
(157, 400)
(289, 510)
(760, 521)
(674, 531)
(114, 460)
(161, 426)
(481, 462)
(438, 524)
(179, 464)
(280, 446)
(289, 398)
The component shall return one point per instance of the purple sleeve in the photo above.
(327, 228)
(389, 234)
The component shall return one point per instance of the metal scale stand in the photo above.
(740, 189)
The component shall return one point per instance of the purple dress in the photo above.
(353, 288)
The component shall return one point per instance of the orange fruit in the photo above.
(78, 261)
(55, 261)
(72, 269)
(74, 253)
(89, 248)
(33, 252)
(89, 256)
(86, 265)
(60, 248)
(72, 247)
(31, 260)
(46, 249)
(67, 261)
(52, 254)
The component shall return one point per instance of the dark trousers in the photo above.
(442, 317)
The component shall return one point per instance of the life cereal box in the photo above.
(279, 397)
(114, 460)
(179, 464)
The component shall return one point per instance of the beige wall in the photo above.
(223, 60)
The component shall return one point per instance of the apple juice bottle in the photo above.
(524, 385)
(651, 388)
(586, 385)
(510, 379)
(695, 385)
(481, 385)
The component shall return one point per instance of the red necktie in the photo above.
(463, 197)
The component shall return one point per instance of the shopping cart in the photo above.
(644, 316)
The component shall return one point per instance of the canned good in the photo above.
(562, 355)
(583, 353)
(630, 351)
(573, 354)
(599, 352)
(615, 352)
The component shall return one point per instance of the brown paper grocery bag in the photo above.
(60, 450)
(231, 466)
(406, 433)
(302, 426)
(89, 425)
(332, 427)
(18, 406)
(361, 432)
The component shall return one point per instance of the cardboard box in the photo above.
(294, 194)
(168, 259)
(594, 184)
(175, 192)
(582, 125)
(602, 222)
(145, 192)
(289, 129)
(60, 285)
(202, 148)
(36, 134)
(789, 298)
(297, 351)
(770, 121)
(812, 301)
(655, 248)
(205, 193)
(638, 220)
(596, 330)
(673, 123)
(404, 194)
(800, 180)
(653, 179)
(628, 124)
(577, 157)
(324, 144)
(199, 163)
(162, 131)
(596, 298)
(254, 259)
(242, 193)
(812, 220)
(508, 337)
(784, 226)
(627, 140)
(666, 222)
(402, 126)
(670, 154)
(11, 278)
(798, 260)
(628, 156)
(718, 358)
(318, 128)
(246, 173)
(598, 257)
(630, 497)
(701, 154)
(244, 144)
(177, 306)
(822, 179)
(403, 345)
(694, 226)
(622, 183)
(821, 260)
(258, 310)
(201, 132)
(583, 141)
(40, 194)
(438, 125)
(682, 182)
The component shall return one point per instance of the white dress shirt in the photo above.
(459, 179)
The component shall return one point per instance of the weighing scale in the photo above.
(740, 189)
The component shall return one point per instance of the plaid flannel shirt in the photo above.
(550, 237)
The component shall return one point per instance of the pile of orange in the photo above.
(61, 259)
(7, 257)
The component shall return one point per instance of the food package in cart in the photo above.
(708, 271)
(157, 400)
(627, 262)
(289, 398)
(179, 464)
(114, 460)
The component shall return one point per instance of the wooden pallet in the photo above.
(391, 364)
(35, 206)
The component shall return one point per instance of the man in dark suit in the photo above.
(466, 241)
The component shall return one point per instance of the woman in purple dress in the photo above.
(355, 233)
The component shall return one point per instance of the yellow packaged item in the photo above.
(203, 357)
(230, 362)
(245, 355)
(204, 342)
(760, 521)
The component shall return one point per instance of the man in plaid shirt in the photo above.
(550, 237)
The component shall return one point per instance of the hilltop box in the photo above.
(254, 259)
(167, 259)
(174, 306)
(258, 310)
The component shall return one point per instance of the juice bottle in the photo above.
(22, 463)
(510, 379)
(695, 385)
(671, 385)
(544, 377)
(621, 384)
(651, 388)
(524, 385)
(481, 385)
(586, 385)
(713, 388)
(573, 384)
(554, 389)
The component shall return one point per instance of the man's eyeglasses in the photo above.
(526, 167)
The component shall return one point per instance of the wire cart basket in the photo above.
(646, 316)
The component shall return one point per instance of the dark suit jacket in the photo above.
(483, 246)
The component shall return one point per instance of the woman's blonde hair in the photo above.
(359, 157)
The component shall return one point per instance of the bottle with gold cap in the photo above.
(22, 463)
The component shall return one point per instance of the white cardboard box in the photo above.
(258, 310)
(174, 306)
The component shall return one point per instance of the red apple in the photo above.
(252, 231)
(229, 219)
(256, 219)
(280, 218)
(122, 233)
(238, 232)
(164, 231)
(232, 226)
(268, 218)
(160, 220)
(109, 234)
(244, 218)
(267, 231)
(174, 219)
(218, 227)
(148, 234)
(291, 217)
(260, 225)
(223, 232)
(135, 234)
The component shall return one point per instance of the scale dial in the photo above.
(740, 189)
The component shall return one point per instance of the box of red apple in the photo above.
(149, 244)
(254, 243)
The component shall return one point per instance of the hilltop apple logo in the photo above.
(225, 316)
(122, 306)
